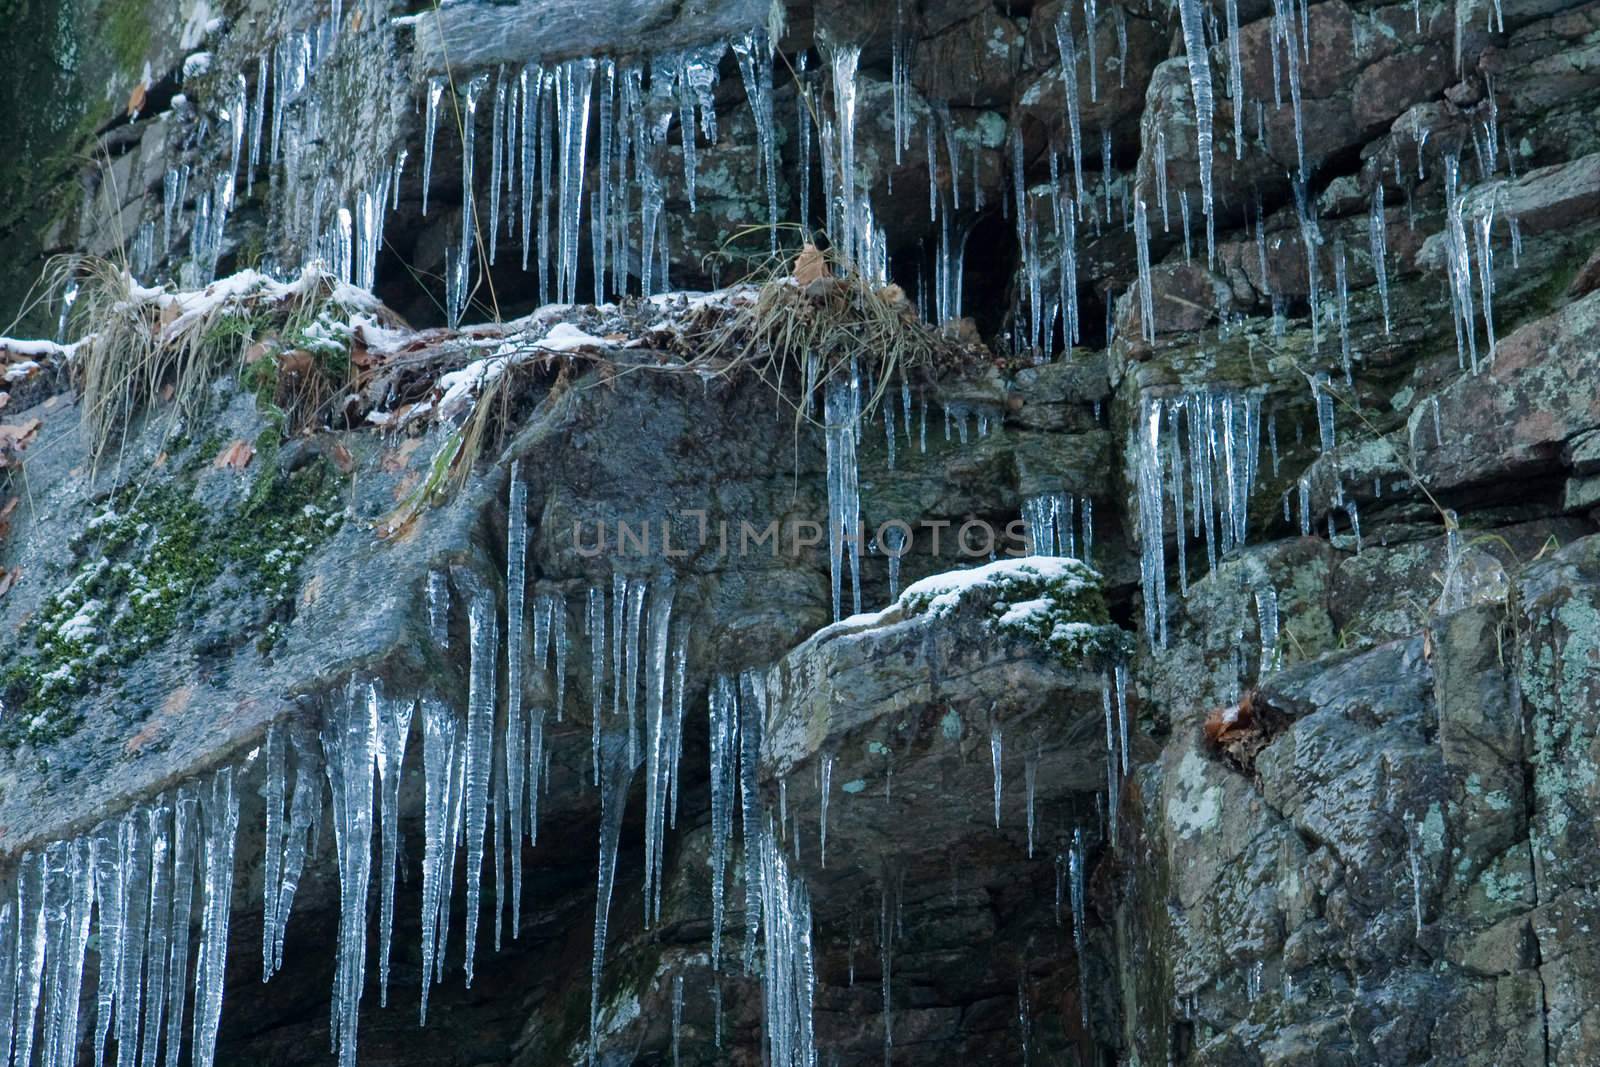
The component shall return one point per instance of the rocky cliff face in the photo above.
(387, 621)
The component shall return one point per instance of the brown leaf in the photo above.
(296, 362)
(8, 578)
(5, 515)
(236, 456)
(19, 435)
(137, 97)
(256, 352)
(809, 266)
(341, 458)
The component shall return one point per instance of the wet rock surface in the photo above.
(1404, 872)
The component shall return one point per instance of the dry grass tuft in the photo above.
(814, 315)
(145, 350)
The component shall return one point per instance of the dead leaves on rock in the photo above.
(1238, 732)
(235, 456)
(14, 438)
(8, 576)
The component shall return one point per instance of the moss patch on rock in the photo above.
(147, 565)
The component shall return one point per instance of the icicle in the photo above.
(134, 845)
(1069, 82)
(1190, 13)
(156, 955)
(430, 128)
(10, 951)
(1089, 20)
(844, 59)
(1147, 310)
(600, 202)
(1414, 857)
(185, 849)
(538, 768)
(597, 666)
(1113, 775)
(1342, 295)
(496, 160)
(442, 760)
(439, 609)
(561, 646)
(31, 935)
(394, 729)
(617, 766)
(479, 753)
(842, 412)
(803, 98)
(1304, 486)
(531, 84)
(724, 719)
(349, 744)
(1120, 675)
(221, 828)
(825, 772)
(752, 717)
(516, 728)
(1030, 777)
(680, 683)
(754, 53)
(1235, 77)
(108, 878)
(994, 758)
(1076, 861)
(272, 790)
(1480, 229)
(459, 274)
(1284, 27)
(574, 89)
(1183, 209)
(1378, 231)
(1324, 402)
(1087, 514)
(628, 676)
(658, 741)
(789, 972)
(1152, 560)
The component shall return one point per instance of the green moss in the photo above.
(126, 30)
(285, 519)
(144, 568)
(143, 560)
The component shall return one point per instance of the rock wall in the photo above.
(1342, 473)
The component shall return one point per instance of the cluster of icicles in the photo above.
(131, 882)
(129, 887)
(551, 124)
